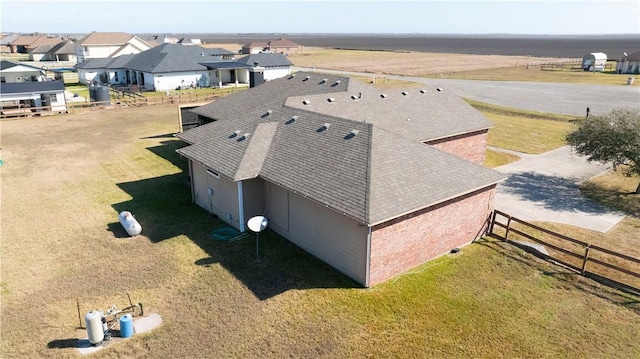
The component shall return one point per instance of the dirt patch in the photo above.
(407, 63)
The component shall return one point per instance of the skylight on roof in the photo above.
(291, 120)
(351, 134)
(324, 127)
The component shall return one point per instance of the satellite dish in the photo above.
(258, 223)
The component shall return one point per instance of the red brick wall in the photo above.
(405, 242)
(470, 146)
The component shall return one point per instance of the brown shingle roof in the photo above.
(105, 38)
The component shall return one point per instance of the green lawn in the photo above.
(525, 131)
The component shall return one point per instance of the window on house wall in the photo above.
(54, 98)
(3, 79)
(115, 76)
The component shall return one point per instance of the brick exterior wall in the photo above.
(405, 242)
(470, 146)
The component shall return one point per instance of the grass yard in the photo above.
(534, 74)
(65, 179)
(525, 131)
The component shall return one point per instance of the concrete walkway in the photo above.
(545, 188)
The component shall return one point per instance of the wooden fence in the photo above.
(604, 265)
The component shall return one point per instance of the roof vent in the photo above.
(266, 114)
(306, 102)
(354, 97)
(405, 93)
(423, 91)
(439, 89)
(243, 137)
(323, 81)
(408, 119)
(306, 78)
(235, 134)
(384, 95)
(292, 76)
(331, 99)
(324, 127)
(351, 134)
(291, 120)
(336, 83)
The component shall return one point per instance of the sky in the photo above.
(558, 17)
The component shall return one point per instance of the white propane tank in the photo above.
(129, 223)
(93, 320)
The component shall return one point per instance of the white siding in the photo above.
(174, 80)
(324, 233)
(272, 73)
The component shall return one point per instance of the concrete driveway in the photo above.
(545, 188)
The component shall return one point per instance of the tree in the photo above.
(612, 138)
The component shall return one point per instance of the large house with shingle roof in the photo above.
(109, 44)
(346, 172)
(173, 66)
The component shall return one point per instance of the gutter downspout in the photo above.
(240, 207)
(367, 278)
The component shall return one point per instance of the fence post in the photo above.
(586, 258)
(506, 233)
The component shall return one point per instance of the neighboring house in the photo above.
(109, 44)
(24, 44)
(254, 47)
(279, 46)
(40, 53)
(5, 42)
(106, 71)
(595, 61)
(167, 67)
(275, 65)
(629, 64)
(346, 172)
(284, 46)
(25, 89)
(170, 40)
(63, 51)
(189, 41)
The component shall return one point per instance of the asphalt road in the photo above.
(562, 98)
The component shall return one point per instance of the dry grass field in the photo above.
(65, 179)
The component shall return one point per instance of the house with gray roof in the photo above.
(168, 67)
(26, 90)
(274, 65)
(371, 183)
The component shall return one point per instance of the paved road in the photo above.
(545, 188)
(568, 99)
